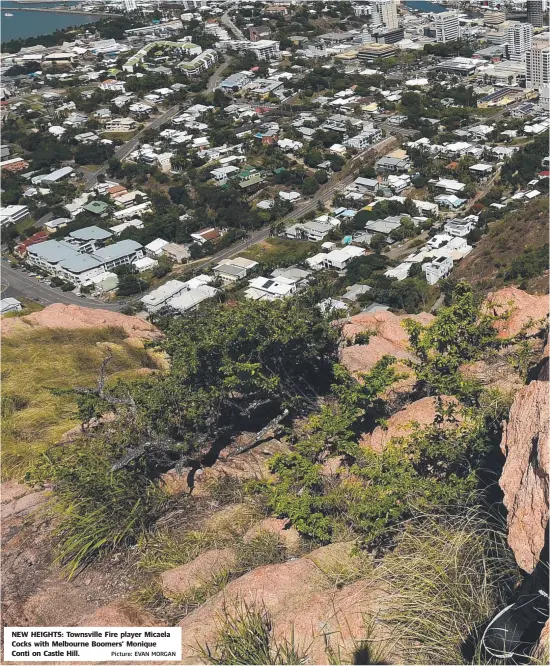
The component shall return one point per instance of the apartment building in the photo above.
(447, 27)
(535, 13)
(384, 12)
(200, 64)
(538, 64)
(265, 49)
(518, 39)
(364, 139)
(67, 261)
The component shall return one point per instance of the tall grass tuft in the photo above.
(96, 510)
(245, 636)
(445, 578)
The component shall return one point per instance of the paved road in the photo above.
(16, 283)
(215, 79)
(228, 23)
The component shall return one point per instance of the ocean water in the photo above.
(32, 24)
(424, 6)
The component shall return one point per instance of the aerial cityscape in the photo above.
(274, 309)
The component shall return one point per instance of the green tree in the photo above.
(462, 332)
(321, 176)
(309, 186)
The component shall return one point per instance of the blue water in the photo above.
(31, 24)
(424, 6)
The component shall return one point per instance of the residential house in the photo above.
(232, 270)
(314, 230)
(364, 185)
(53, 177)
(155, 248)
(176, 252)
(271, 289)
(481, 171)
(450, 186)
(191, 298)
(392, 164)
(339, 259)
(450, 201)
(100, 208)
(356, 290)
(437, 269)
(222, 174)
(120, 125)
(13, 214)
(207, 234)
(14, 164)
(460, 228)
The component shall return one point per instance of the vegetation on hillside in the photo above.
(37, 366)
(255, 366)
(514, 250)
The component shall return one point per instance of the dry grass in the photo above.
(445, 578)
(245, 636)
(34, 363)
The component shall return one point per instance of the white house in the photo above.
(155, 248)
(399, 272)
(271, 289)
(222, 174)
(460, 228)
(437, 269)
(189, 299)
(10, 305)
(339, 259)
(232, 270)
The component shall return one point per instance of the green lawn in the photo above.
(280, 251)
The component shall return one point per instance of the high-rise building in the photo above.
(518, 39)
(447, 27)
(535, 13)
(537, 60)
(384, 12)
(130, 5)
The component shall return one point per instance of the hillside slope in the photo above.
(60, 347)
(491, 264)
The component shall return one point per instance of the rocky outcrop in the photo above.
(541, 653)
(521, 307)
(421, 412)
(300, 602)
(288, 536)
(201, 571)
(525, 476)
(76, 317)
(388, 337)
(496, 374)
(120, 614)
(18, 501)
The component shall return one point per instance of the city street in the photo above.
(16, 284)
